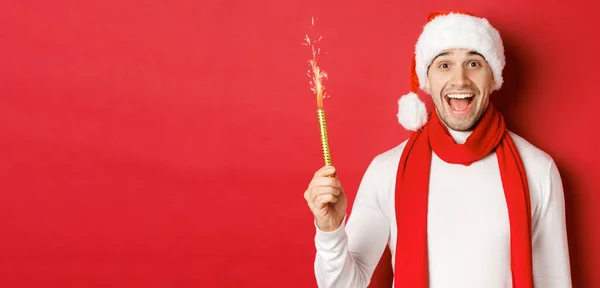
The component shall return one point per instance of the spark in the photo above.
(315, 72)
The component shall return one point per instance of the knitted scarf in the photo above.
(412, 189)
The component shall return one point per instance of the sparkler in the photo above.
(316, 76)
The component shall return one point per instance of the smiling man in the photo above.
(463, 202)
(460, 81)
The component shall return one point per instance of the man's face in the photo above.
(460, 82)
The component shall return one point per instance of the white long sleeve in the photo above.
(550, 250)
(348, 256)
(468, 226)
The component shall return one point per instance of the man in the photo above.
(463, 202)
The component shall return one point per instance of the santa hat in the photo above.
(448, 30)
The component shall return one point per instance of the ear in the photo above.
(492, 81)
(427, 87)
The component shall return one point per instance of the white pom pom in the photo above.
(412, 113)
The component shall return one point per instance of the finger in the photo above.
(312, 193)
(325, 199)
(325, 171)
(324, 191)
(325, 182)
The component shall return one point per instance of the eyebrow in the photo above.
(476, 53)
(439, 55)
(448, 53)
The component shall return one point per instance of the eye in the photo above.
(444, 65)
(474, 64)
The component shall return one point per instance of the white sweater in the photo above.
(468, 227)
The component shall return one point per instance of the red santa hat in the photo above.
(448, 30)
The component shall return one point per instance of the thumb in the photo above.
(329, 171)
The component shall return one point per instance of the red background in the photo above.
(168, 143)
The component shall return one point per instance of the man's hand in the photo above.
(326, 199)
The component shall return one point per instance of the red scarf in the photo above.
(412, 189)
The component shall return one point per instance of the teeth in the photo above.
(460, 96)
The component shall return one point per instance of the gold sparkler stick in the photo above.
(317, 76)
(324, 139)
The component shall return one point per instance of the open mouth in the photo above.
(460, 103)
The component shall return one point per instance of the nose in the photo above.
(460, 78)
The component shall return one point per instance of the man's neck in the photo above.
(460, 137)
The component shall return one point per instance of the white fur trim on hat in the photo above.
(455, 31)
(412, 113)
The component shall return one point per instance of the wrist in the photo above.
(330, 226)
